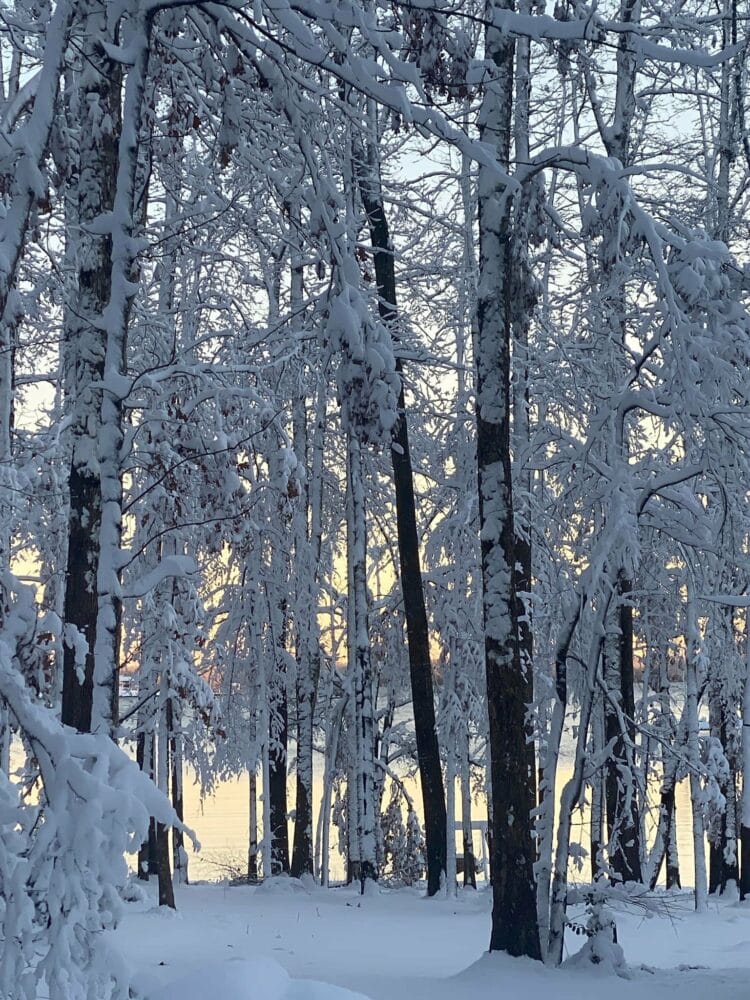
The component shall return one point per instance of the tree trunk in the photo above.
(166, 888)
(95, 335)
(693, 747)
(252, 845)
(417, 631)
(621, 786)
(277, 757)
(143, 759)
(85, 349)
(179, 854)
(470, 861)
(308, 555)
(597, 796)
(360, 666)
(673, 859)
(745, 812)
(514, 914)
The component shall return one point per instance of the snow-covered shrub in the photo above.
(600, 931)
(403, 843)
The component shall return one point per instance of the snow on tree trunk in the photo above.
(360, 667)
(20, 179)
(509, 686)
(98, 117)
(333, 733)
(96, 327)
(574, 786)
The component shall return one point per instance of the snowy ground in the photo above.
(240, 943)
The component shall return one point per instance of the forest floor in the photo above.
(244, 943)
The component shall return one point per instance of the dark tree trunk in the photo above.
(673, 858)
(166, 889)
(252, 847)
(745, 859)
(716, 878)
(277, 757)
(666, 818)
(722, 831)
(142, 761)
(179, 855)
(417, 631)
(85, 347)
(307, 532)
(153, 850)
(596, 827)
(302, 847)
(509, 689)
(470, 862)
(621, 788)
(80, 607)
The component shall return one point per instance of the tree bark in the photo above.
(361, 668)
(621, 788)
(252, 847)
(514, 914)
(179, 855)
(745, 809)
(277, 758)
(164, 870)
(417, 630)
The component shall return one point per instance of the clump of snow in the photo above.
(283, 885)
(255, 979)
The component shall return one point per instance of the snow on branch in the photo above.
(62, 857)
(169, 566)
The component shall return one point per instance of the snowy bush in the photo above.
(403, 843)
